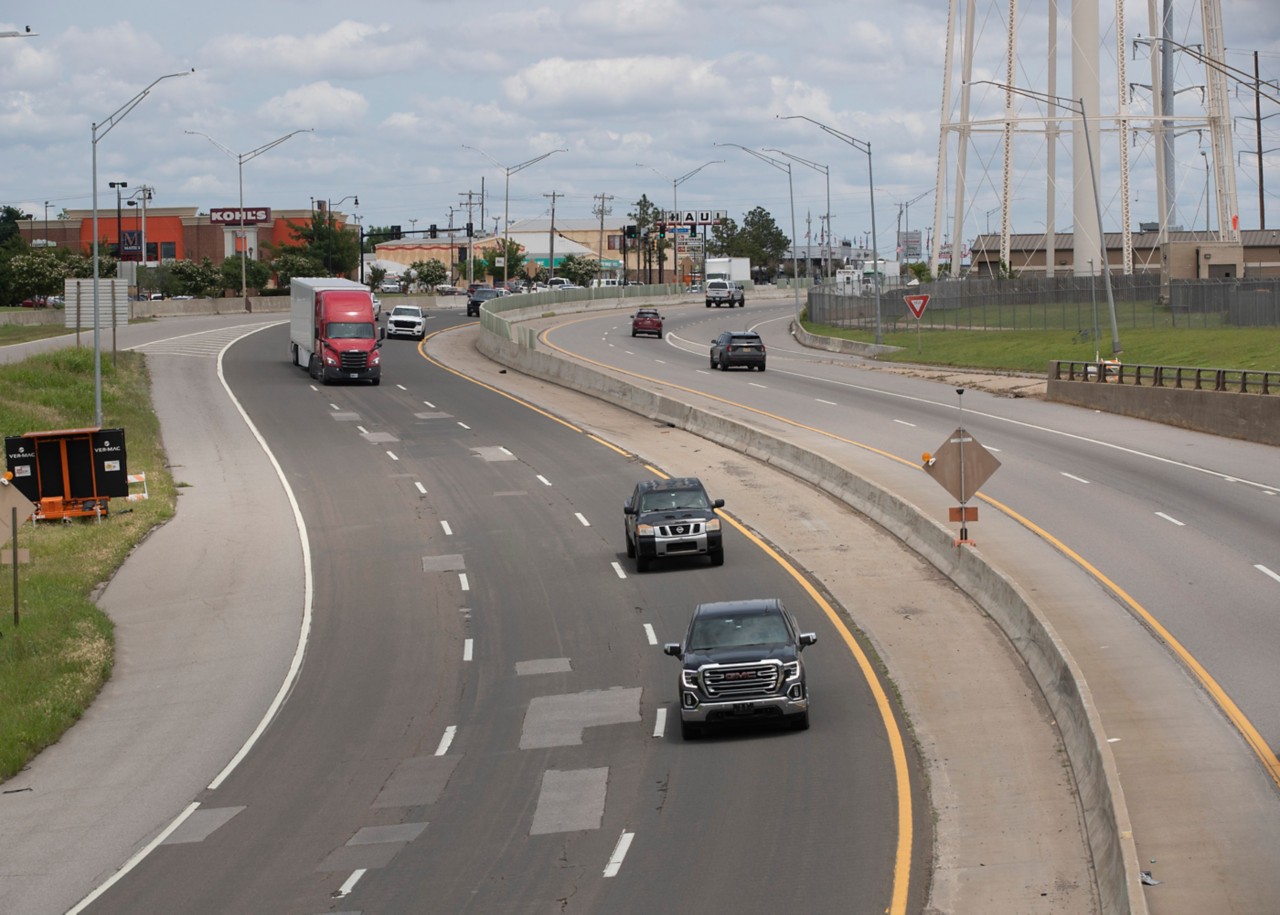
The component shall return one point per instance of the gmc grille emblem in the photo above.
(739, 675)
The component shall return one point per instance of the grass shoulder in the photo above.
(56, 660)
(1254, 348)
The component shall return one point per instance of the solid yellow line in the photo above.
(1255, 740)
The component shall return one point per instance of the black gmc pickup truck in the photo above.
(740, 660)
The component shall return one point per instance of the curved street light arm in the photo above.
(683, 178)
(120, 113)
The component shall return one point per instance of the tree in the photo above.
(336, 251)
(294, 262)
(375, 277)
(514, 255)
(759, 239)
(430, 273)
(580, 270)
(36, 274)
(256, 274)
(190, 278)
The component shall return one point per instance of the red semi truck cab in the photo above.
(333, 330)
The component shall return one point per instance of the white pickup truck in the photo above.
(724, 292)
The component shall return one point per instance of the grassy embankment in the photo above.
(56, 659)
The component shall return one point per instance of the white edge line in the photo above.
(1265, 571)
(1072, 476)
(135, 860)
(1170, 519)
(650, 634)
(304, 630)
(350, 884)
(448, 531)
(446, 739)
(543, 480)
(660, 722)
(619, 853)
(463, 582)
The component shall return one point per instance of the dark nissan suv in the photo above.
(740, 660)
(672, 518)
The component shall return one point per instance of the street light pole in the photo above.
(826, 170)
(329, 205)
(863, 146)
(112, 120)
(241, 159)
(117, 185)
(508, 171)
(782, 167)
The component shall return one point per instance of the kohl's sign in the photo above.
(234, 216)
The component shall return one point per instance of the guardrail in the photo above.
(1238, 381)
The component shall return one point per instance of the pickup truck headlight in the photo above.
(644, 530)
(713, 524)
(689, 678)
(790, 670)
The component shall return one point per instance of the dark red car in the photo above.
(646, 321)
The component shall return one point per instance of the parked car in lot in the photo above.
(674, 517)
(481, 295)
(740, 661)
(407, 321)
(389, 285)
(447, 289)
(738, 347)
(646, 321)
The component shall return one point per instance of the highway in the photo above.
(1187, 524)
(483, 719)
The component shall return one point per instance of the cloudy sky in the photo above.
(395, 91)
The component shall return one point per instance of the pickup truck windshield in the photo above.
(350, 330)
(689, 500)
(724, 632)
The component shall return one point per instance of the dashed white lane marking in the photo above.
(1072, 476)
(650, 634)
(660, 723)
(422, 489)
(464, 425)
(448, 531)
(346, 888)
(582, 518)
(617, 568)
(462, 581)
(335, 406)
(429, 404)
(446, 739)
(468, 649)
(903, 422)
(543, 480)
(1265, 571)
(392, 455)
(505, 450)
(829, 403)
(756, 384)
(402, 387)
(362, 430)
(619, 854)
(1170, 519)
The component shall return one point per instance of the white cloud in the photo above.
(316, 105)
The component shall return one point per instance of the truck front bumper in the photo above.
(694, 710)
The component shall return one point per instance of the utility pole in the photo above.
(470, 241)
(551, 259)
(602, 209)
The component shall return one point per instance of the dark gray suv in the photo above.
(675, 517)
(737, 347)
(739, 661)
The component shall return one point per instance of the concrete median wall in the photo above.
(1047, 658)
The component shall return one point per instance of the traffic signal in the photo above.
(630, 232)
(662, 230)
(433, 232)
(396, 234)
(462, 252)
(470, 231)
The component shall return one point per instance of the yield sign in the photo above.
(917, 304)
